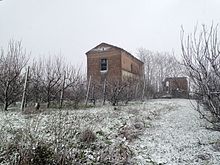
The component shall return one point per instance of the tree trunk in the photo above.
(6, 106)
(6, 97)
(48, 96)
(62, 92)
(48, 103)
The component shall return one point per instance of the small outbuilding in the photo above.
(177, 87)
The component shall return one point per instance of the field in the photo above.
(161, 131)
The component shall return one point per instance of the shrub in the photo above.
(87, 136)
(118, 153)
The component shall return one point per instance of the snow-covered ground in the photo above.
(162, 131)
(178, 136)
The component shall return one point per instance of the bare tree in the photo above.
(11, 79)
(132, 90)
(201, 57)
(36, 84)
(76, 90)
(115, 91)
(72, 82)
(158, 66)
(52, 79)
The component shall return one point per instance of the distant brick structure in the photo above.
(176, 86)
(109, 62)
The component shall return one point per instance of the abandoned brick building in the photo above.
(176, 86)
(109, 62)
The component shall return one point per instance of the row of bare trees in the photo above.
(158, 66)
(49, 80)
(201, 56)
(115, 91)
(53, 82)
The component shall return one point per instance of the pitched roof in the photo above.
(109, 45)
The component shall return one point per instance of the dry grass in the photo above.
(87, 136)
(70, 137)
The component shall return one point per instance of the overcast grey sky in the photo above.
(73, 27)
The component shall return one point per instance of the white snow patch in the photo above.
(174, 132)
(178, 137)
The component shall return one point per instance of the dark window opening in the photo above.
(104, 64)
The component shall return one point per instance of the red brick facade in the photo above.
(120, 63)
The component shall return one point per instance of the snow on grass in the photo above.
(163, 131)
(178, 137)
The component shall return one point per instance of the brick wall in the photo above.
(177, 86)
(114, 65)
(120, 63)
(131, 64)
(180, 83)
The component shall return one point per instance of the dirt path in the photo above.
(178, 137)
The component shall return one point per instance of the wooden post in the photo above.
(136, 91)
(25, 89)
(143, 89)
(88, 88)
(104, 91)
(93, 95)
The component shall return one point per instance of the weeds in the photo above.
(66, 137)
(87, 136)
